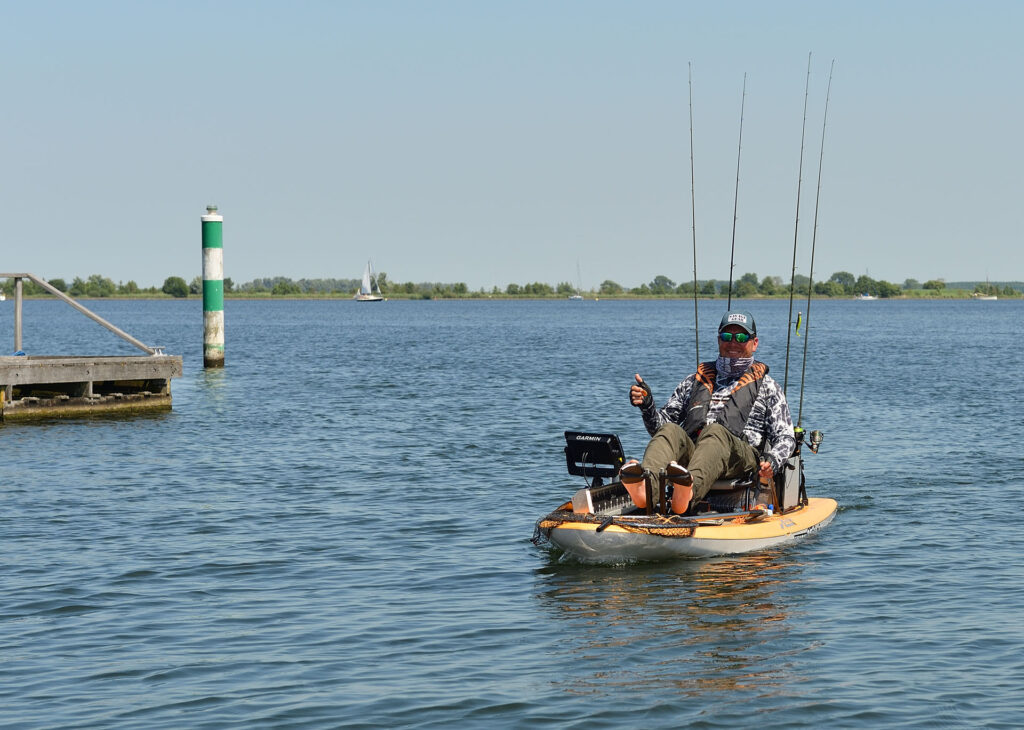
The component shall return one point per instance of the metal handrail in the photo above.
(61, 295)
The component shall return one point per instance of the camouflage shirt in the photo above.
(769, 428)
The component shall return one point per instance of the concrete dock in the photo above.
(61, 386)
(53, 386)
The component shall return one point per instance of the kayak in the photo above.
(601, 523)
(626, 538)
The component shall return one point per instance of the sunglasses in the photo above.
(740, 337)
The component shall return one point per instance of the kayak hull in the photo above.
(615, 542)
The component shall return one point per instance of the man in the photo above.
(728, 419)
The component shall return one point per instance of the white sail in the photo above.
(369, 290)
(366, 288)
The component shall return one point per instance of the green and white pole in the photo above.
(213, 288)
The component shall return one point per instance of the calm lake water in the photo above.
(334, 530)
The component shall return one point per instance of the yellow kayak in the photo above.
(624, 538)
(601, 523)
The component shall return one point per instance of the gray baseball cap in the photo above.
(741, 319)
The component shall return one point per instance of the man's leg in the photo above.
(669, 443)
(718, 453)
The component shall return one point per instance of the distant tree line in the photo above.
(840, 284)
(94, 286)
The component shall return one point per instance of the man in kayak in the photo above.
(726, 420)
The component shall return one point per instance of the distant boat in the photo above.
(578, 296)
(865, 298)
(985, 297)
(369, 291)
(3, 297)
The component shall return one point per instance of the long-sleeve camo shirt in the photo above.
(769, 428)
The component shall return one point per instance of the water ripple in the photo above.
(340, 537)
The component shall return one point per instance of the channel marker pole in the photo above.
(213, 288)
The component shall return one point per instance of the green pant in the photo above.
(717, 454)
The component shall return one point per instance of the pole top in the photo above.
(212, 216)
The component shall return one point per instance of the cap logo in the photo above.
(737, 318)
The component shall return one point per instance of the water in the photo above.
(334, 530)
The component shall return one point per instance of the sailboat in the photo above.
(987, 295)
(369, 291)
(578, 296)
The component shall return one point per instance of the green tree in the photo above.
(564, 288)
(845, 279)
(284, 288)
(99, 286)
(744, 288)
(934, 285)
(196, 286)
(801, 284)
(610, 288)
(512, 290)
(829, 288)
(662, 285)
(229, 285)
(911, 284)
(709, 288)
(538, 289)
(865, 285)
(130, 288)
(58, 284)
(887, 289)
(750, 278)
(770, 285)
(460, 288)
(175, 286)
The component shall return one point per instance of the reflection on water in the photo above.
(717, 624)
(213, 379)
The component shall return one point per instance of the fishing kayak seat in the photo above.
(732, 495)
(725, 485)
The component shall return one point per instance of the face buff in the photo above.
(730, 368)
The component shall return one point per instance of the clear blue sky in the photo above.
(493, 142)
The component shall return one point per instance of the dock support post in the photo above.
(213, 289)
(18, 294)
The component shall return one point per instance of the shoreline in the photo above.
(960, 294)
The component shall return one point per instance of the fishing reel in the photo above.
(814, 438)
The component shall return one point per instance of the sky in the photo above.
(492, 142)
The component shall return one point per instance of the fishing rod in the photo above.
(796, 225)
(736, 198)
(693, 218)
(814, 237)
